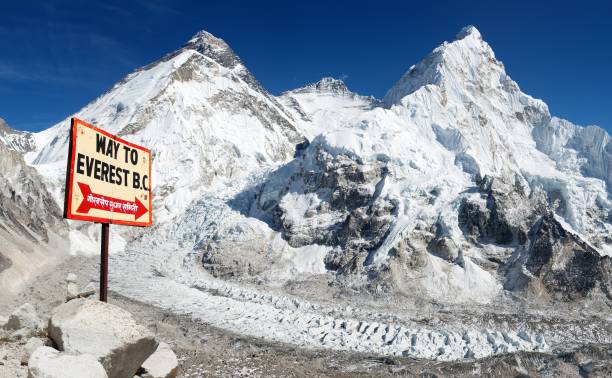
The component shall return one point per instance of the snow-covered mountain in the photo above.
(31, 224)
(455, 165)
(205, 116)
(325, 105)
(457, 189)
(445, 189)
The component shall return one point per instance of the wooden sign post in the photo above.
(108, 180)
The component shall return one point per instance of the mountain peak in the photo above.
(467, 62)
(468, 31)
(218, 50)
(213, 47)
(204, 39)
(330, 84)
(325, 85)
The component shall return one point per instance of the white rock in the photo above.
(20, 334)
(32, 344)
(161, 364)
(89, 290)
(47, 362)
(24, 317)
(72, 291)
(105, 331)
(71, 278)
(3, 332)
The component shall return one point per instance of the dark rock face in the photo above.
(444, 248)
(565, 265)
(593, 360)
(505, 216)
(473, 219)
(549, 260)
(350, 213)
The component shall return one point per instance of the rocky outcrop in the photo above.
(94, 339)
(549, 261)
(329, 199)
(557, 263)
(24, 316)
(22, 323)
(502, 214)
(104, 331)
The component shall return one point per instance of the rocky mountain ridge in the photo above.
(31, 224)
(472, 188)
(206, 114)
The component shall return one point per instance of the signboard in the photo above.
(108, 179)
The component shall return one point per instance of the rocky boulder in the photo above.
(24, 316)
(22, 323)
(32, 344)
(47, 362)
(73, 291)
(107, 332)
(161, 364)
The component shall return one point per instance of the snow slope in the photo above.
(325, 106)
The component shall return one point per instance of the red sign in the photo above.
(108, 179)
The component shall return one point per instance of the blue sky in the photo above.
(59, 55)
